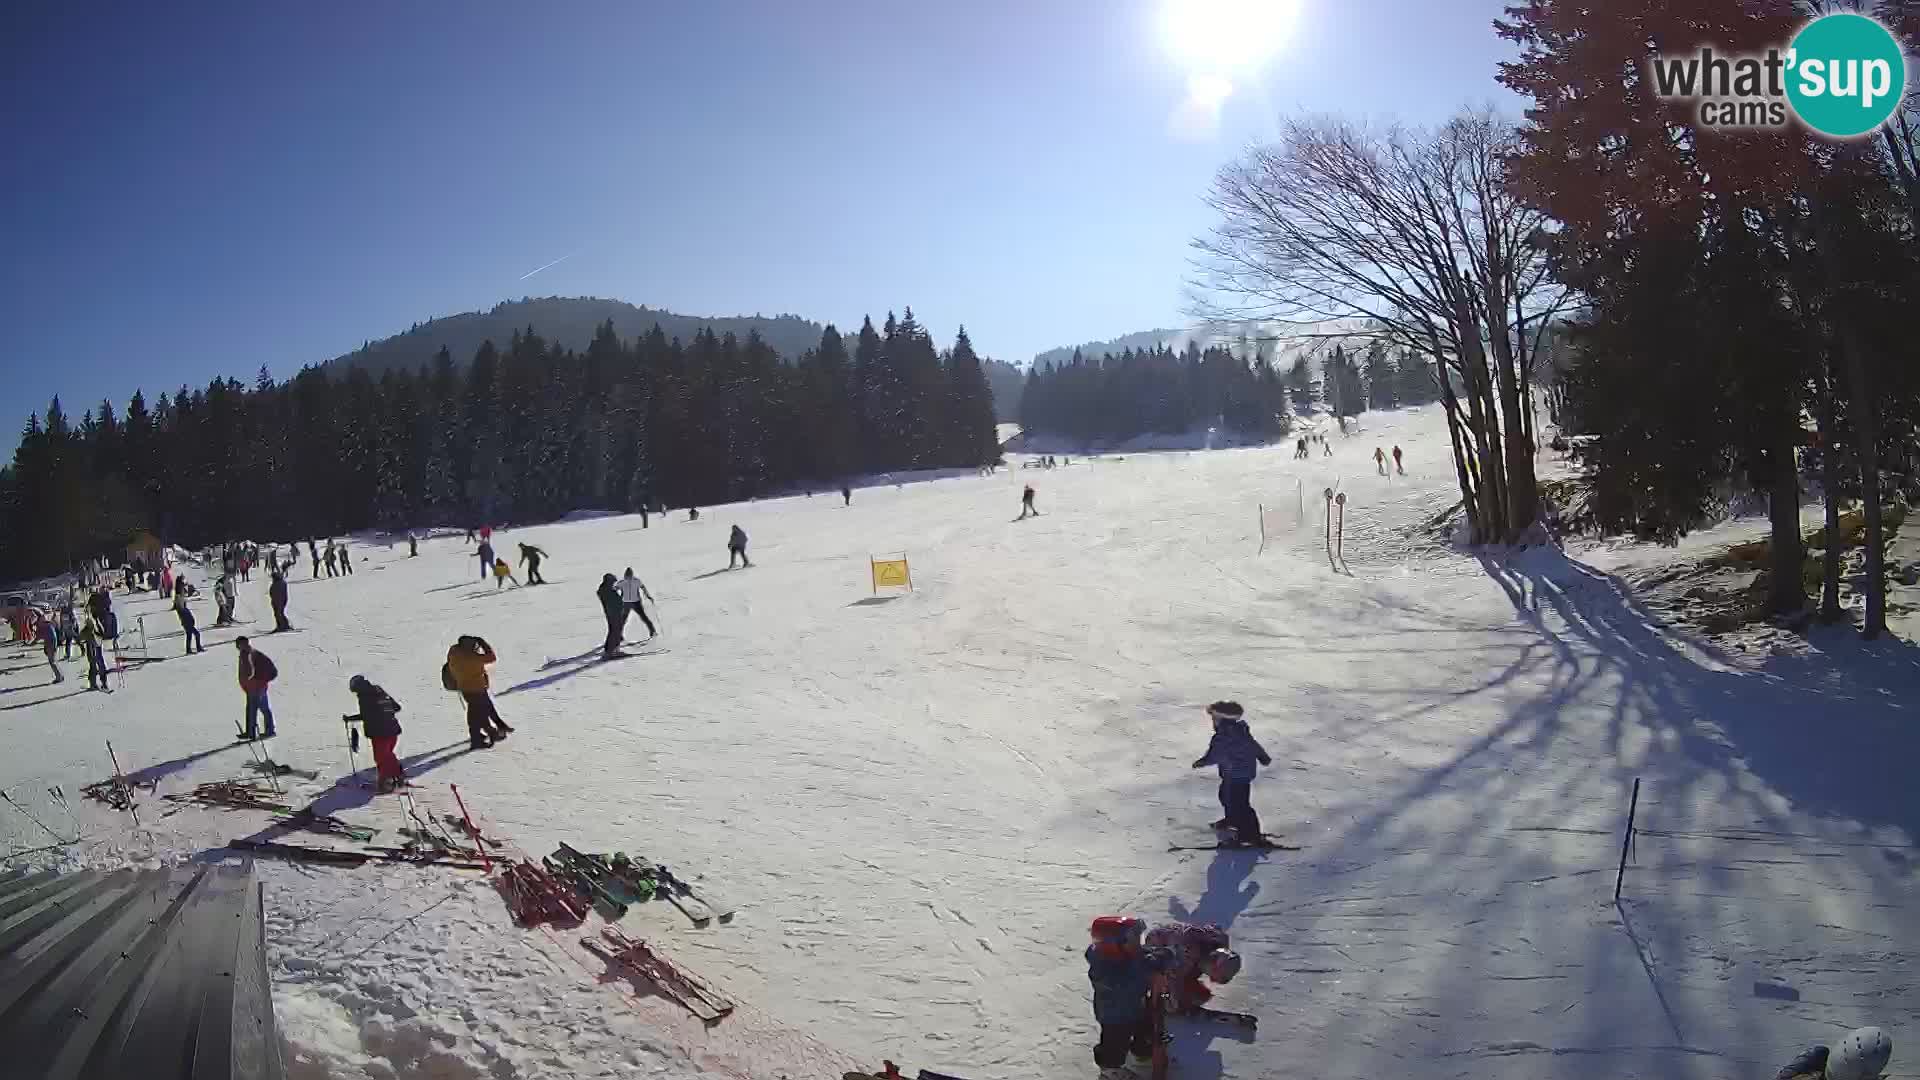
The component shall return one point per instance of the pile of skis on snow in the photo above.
(669, 979)
(569, 882)
(252, 795)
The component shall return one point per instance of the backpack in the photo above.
(446, 677)
(263, 668)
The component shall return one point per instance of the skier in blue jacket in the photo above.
(1234, 751)
(1121, 970)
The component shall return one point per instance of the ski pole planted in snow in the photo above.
(1626, 842)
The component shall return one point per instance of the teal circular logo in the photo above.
(1846, 74)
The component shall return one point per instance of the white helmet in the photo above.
(1862, 1055)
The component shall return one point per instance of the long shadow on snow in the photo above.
(1224, 898)
(567, 673)
(153, 773)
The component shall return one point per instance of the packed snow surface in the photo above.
(919, 799)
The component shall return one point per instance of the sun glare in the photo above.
(1226, 35)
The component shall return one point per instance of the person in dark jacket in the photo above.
(332, 558)
(1122, 971)
(277, 596)
(846, 495)
(486, 559)
(379, 717)
(96, 658)
(1026, 504)
(187, 628)
(346, 564)
(530, 557)
(413, 546)
(50, 644)
(737, 547)
(1235, 752)
(615, 609)
(313, 549)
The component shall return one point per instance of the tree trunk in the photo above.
(1523, 491)
(1483, 426)
(1830, 480)
(1788, 594)
(1864, 412)
(1469, 499)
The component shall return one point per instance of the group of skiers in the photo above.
(1141, 975)
(336, 560)
(1380, 461)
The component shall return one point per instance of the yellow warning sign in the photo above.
(891, 574)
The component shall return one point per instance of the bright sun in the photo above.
(1226, 35)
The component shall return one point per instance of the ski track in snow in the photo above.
(919, 802)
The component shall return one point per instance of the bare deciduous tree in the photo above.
(1413, 231)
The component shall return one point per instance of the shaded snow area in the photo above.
(920, 800)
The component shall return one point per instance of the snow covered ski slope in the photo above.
(918, 800)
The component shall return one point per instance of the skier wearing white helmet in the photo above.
(1862, 1055)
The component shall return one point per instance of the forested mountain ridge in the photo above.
(569, 322)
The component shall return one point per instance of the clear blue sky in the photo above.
(196, 189)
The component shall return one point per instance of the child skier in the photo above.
(1122, 970)
(379, 717)
(1234, 751)
(503, 573)
(1193, 953)
(737, 547)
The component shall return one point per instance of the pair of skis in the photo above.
(671, 980)
(617, 881)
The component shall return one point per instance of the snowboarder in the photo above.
(314, 550)
(530, 557)
(256, 674)
(346, 564)
(1026, 504)
(503, 573)
(467, 663)
(379, 717)
(1193, 953)
(1862, 1055)
(631, 590)
(413, 546)
(486, 559)
(1380, 460)
(846, 495)
(737, 547)
(616, 612)
(187, 628)
(50, 644)
(277, 596)
(1234, 751)
(1396, 462)
(1122, 970)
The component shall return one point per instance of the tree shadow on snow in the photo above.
(44, 701)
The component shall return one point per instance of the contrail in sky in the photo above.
(555, 262)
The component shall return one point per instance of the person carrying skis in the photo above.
(379, 717)
(530, 557)
(737, 547)
(277, 596)
(1026, 504)
(346, 564)
(1122, 970)
(1193, 952)
(615, 610)
(187, 628)
(467, 663)
(486, 559)
(256, 674)
(1380, 460)
(1234, 751)
(631, 590)
(503, 573)
(1396, 462)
